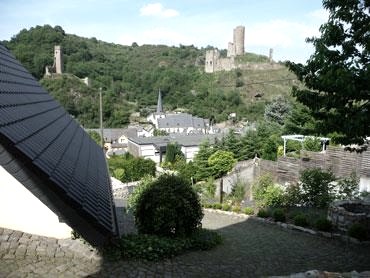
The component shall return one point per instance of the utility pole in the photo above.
(101, 118)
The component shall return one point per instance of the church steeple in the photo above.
(159, 103)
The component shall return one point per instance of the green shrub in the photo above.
(317, 187)
(226, 207)
(358, 231)
(217, 206)
(312, 144)
(348, 187)
(263, 213)
(209, 187)
(127, 168)
(207, 205)
(323, 224)
(237, 192)
(236, 209)
(167, 206)
(266, 193)
(248, 211)
(154, 248)
(301, 220)
(279, 215)
(293, 196)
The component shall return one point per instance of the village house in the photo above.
(154, 148)
(116, 139)
(178, 122)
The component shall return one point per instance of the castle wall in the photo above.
(226, 64)
(231, 50)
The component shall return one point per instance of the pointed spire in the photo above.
(159, 103)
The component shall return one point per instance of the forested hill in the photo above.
(131, 76)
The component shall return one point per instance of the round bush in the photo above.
(300, 220)
(168, 206)
(217, 206)
(248, 211)
(263, 213)
(279, 215)
(226, 207)
(236, 209)
(323, 224)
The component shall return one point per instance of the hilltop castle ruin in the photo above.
(57, 67)
(236, 48)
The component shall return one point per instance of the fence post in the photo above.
(221, 190)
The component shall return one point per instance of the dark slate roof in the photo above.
(182, 140)
(182, 120)
(35, 128)
(112, 135)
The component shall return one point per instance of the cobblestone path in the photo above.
(250, 249)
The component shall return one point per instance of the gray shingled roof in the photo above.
(183, 140)
(113, 134)
(38, 136)
(182, 120)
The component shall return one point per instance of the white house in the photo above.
(154, 148)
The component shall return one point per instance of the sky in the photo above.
(279, 24)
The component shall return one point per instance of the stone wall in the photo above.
(343, 214)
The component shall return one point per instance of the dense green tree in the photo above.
(299, 121)
(270, 147)
(337, 75)
(128, 168)
(203, 170)
(173, 153)
(317, 187)
(277, 110)
(221, 162)
(312, 144)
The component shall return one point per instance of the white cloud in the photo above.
(321, 15)
(281, 33)
(157, 9)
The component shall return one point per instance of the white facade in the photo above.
(153, 118)
(189, 152)
(21, 210)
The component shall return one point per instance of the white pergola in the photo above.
(301, 138)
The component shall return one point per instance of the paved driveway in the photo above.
(250, 249)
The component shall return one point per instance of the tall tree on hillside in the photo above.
(337, 75)
(277, 110)
(203, 169)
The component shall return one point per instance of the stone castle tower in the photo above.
(239, 40)
(58, 59)
(57, 66)
(236, 48)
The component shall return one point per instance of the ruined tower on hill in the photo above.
(236, 48)
(57, 66)
(238, 40)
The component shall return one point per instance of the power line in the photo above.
(264, 82)
(271, 81)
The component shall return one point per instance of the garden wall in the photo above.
(342, 163)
